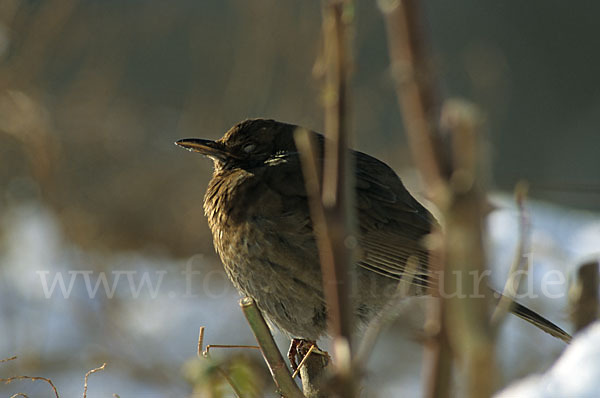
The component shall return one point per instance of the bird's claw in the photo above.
(293, 353)
(299, 348)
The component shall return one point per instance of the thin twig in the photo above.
(32, 378)
(205, 355)
(303, 361)
(468, 313)
(449, 166)
(335, 200)
(583, 295)
(278, 368)
(205, 352)
(514, 276)
(200, 347)
(7, 381)
(415, 90)
(317, 382)
(210, 346)
(330, 201)
(85, 379)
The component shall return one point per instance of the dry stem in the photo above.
(415, 91)
(205, 355)
(32, 378)
(278, 368)
(331, 202)
(514, 277)
(450, 170)
(332, 229)
(85, 379)
(584, 295)
(205, 352)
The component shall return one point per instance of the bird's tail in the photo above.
(537, 320)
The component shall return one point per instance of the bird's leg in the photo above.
(300, 348)
(293, 353)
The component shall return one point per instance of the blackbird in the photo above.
(257, 210)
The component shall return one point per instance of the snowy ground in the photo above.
(575, 374)
(144, 320)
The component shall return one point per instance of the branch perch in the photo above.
(278, 368)
(330, 198)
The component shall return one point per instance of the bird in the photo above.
(258, 212)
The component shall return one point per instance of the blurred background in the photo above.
(94, 93)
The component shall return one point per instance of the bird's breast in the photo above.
(236, 204)
(257, 231)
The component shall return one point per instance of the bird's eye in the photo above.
(249, 148)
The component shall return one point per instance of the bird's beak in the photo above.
(209, 148)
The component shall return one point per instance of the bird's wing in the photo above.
(392, 224)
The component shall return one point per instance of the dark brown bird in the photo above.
(258, 213)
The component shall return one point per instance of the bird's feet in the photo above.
(293, 353)
(301, 349)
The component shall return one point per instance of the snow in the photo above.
(575, 374)
(134, 329)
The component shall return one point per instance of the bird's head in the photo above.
(247, 144)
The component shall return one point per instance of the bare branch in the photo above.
(313, 372)
(331, 235)
(415, 88)
(450, 170)
(467, 314)
(85, 379)
(583, 295)
(278, 368)
(410, 67)
(32, 378)
(514, 277)
(8, 359)
(204, 354)
(331, 201)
